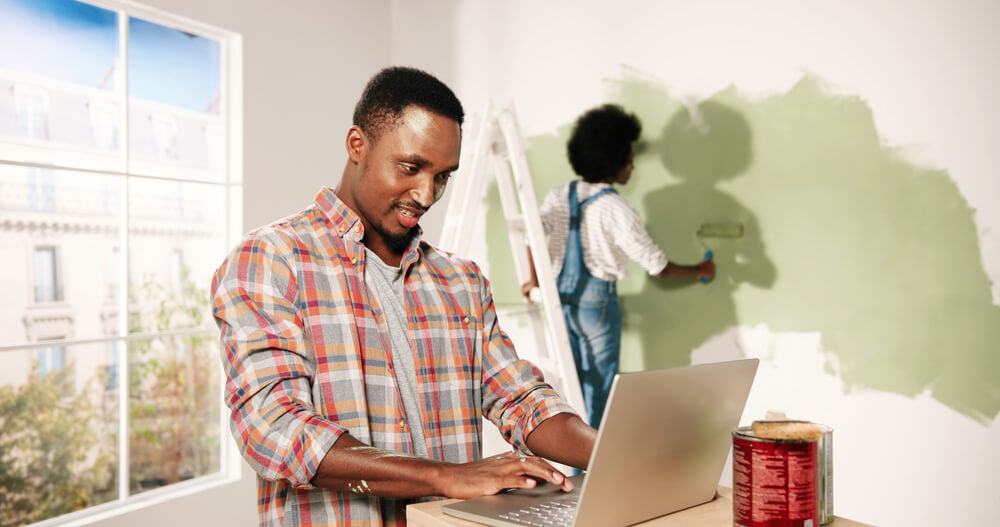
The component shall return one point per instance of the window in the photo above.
(119, 197)
(32, 112)
(112, 275)
(50, 360)
(41, 189)
(164, 135)
(47, 286)
(111, 375)
(104, 121)
(177, 269)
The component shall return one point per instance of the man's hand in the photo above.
(494, 474)
(352, 466)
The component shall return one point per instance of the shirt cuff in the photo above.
(318, 439)
(549, 405)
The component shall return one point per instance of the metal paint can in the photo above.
(776, 482)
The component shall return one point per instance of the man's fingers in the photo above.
(519, 482)
(538, 468)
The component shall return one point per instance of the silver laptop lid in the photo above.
(663, 441)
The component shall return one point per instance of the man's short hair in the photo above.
(602, 141)
(392, 90)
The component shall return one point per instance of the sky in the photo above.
(76, 42)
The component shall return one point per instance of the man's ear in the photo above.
(356, 143)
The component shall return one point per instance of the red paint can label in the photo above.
(774, 482)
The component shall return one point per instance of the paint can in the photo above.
(782, 482)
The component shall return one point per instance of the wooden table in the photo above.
(716, 513)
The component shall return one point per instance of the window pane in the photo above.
(46, 276)
(176, 241)
(59, 235)
(58, 80)
(174, 102)
(50, 360)
(174, 410)
(58, 431)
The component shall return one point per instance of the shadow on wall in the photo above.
(874, 252)
(703, 146)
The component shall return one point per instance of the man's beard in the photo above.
(397, 243)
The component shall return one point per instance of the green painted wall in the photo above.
(844, 236)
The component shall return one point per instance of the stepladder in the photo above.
(498, 155)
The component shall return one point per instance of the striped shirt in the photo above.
(611, 232)
(307, 358)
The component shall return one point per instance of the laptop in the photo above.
(661, 447)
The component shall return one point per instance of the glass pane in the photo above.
(174, 102)
(46, 276)
(58, 83)
(176, 241)
(58, 431)
(59, 240)
(174, 410)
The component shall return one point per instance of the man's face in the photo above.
(402, 175)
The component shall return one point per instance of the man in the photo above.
(593, 233)
(360, 359)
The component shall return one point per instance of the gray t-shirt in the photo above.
(387, 283)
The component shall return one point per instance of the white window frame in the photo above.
(230, 110)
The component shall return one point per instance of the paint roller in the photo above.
(717, 230)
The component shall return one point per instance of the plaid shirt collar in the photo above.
(347, 224)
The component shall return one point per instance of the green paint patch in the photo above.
(843, 235)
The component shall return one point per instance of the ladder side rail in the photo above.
(543, 265)
(509, 202)
(467, 187)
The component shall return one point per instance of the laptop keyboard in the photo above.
(555, 513)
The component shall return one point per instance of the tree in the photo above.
(173, 387)
(58, 451)
(50, 460)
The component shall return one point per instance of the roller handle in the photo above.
(708, 256)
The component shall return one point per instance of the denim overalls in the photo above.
(593, 316)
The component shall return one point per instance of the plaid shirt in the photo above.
(306, 355)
